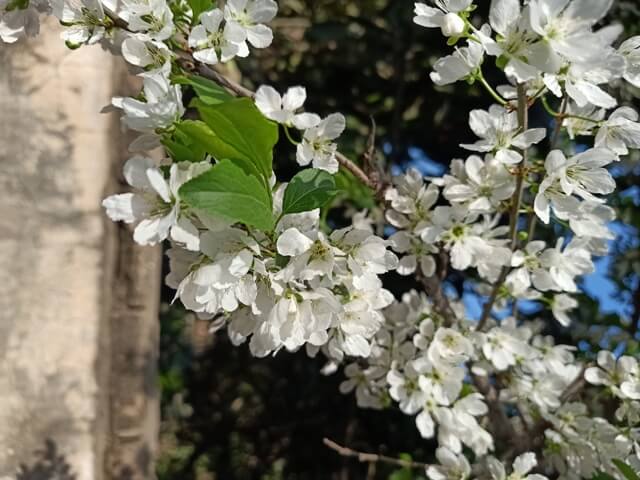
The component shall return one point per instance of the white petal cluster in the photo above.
(501, 134)
(301, 289)
(155, 206)
(318, 146)
(622, 377)
(224, 34)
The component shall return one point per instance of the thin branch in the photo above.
(365, 457)
(435, 291)
(516, 201)
(575, 387)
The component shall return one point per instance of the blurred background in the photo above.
(227, 416)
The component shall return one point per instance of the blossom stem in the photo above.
(370, 458)
(489, 88)
(562, 114)
(289, 137)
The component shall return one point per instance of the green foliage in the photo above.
(625, 469)
(242, 135)
(308, 190)
(199, 6)
(209, 92)
(405, 473)
(227, 191)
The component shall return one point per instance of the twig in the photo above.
(237, 89)
(516, 201)
(365, 457)
(574, 387)
(441, 304)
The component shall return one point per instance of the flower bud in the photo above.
(452, 25)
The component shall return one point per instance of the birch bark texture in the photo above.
(78, 300)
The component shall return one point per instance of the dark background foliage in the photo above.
(228, 416)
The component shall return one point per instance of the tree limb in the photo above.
(365, 457)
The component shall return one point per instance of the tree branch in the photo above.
(516, 201)
(372, 457)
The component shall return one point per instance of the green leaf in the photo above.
(199, 6)
(200, 134)
(182, 148)
(197, 134)
(245, 136)
(209, 92)
(625, 469)
(602, 476)
(309, 189)
(227, 191)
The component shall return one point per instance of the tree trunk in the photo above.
(79, 301)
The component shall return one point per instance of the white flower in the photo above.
(151, 17)
(21, 20)
(620, 131)
(250, 16)
(621, 375)
(444, 17)
(418, 254)
(481, 185)
(513, 41)
(582, 175)
(578, 126)
(450, 346)
(404, 389)
(458, 425)
(581, 82)
(530, 269)
(161, 107)
(411, 202)
(452, 466)
(213, 43)
(501, 134)
(503, 347)
(312, 255)
(564, 265)
(84, 21)
(282, 109)
(466, 242)
(566, 28)
(156, 207)
(522, 465)
(148, 54)
(439, 380)
(560, 305)
(318, 146)
(630, 51)
(460, 65)
(590, 219)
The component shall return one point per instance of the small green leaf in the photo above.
(209, 92)
(245, 135)
(227, 191)
(602, 476)
(309, 189)
(182, 148)
(197, 7)
(625, 469)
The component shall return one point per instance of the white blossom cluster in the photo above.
(484, 389)
(299, 288)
